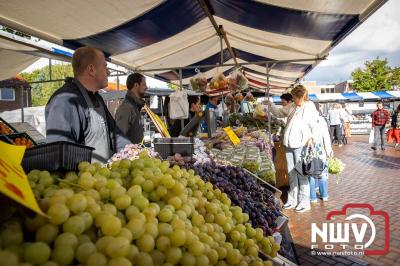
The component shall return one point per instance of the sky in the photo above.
(379, 36)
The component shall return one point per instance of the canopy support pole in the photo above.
(267, 95)
(180, 88)
(227, 65)
(22, 104)
(50, 69)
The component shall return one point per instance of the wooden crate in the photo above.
(282, 176)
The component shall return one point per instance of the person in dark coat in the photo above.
(128, 116)
(77, 113)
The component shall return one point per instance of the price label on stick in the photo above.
(13, 180)
(232, 136)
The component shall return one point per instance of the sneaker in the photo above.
(314, 201)
(325, 199)
(383, 148)
(374, 148)
(340, 145)
(303, 209)
(288, 206)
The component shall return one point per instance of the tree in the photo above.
(376, 76)
(41, 92)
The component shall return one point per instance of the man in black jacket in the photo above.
(77, 113)
(128, 116)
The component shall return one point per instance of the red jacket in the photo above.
(380, 117)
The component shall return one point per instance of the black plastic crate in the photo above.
(13, 130)
(12, 137)
(170, 146)
(56, 156)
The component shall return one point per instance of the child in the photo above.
(324, 148)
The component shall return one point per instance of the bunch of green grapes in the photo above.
(139, 212)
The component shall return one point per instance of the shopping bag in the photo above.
(390, 135)
(178, 105)
(199, 82)
(313, 165)
(371, 139)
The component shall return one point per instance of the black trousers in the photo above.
(336, 133)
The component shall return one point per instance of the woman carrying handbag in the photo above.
(322, 151)
(299, 132)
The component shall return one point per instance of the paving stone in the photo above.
(369, 177)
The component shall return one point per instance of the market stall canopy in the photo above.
(350, 96)
(157, 35)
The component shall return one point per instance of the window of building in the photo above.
(7, 94)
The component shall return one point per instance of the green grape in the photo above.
(111, 226)
(202, 260)
(87, 218)
(196, 248)
(163, 243)
(130, 211)
(11, 236)
(110, 208)
(152, 229)
(58, 214)
(161, 191)
(118, 247)
(176, 202)
(173, 255)
(165, 215)
(96, 259)
(188, 260)
(77, 203)
(134, 191)
(93, 209)
(48, 263)
(137, 227)
(66, 239)
(37, 253)
(122, 202)
(145, 243)
(63, 255)
(141, 202)
(120, 261)
(164, 229)
(133, 253)
(103, 242)
(84, 239)
(148, 186)
(75, 225)
(47, 233)
(178, 237)
(84, 251)
(8, 258)
(234, 256)
(144, 259)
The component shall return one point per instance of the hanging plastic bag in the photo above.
(199, 82)
(218, 82)
(371, 139)
(178, 105)
(390, 135)
(237, 81)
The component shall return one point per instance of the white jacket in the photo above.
(301, 124)
(323, 137)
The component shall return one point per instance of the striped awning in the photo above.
(351, 96)
(154, 34)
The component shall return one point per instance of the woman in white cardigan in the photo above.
(301, 129)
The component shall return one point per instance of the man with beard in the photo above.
(128, 116)
(77, 113)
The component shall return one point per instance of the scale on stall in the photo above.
(191, 129)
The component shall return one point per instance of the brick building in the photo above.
(14, 93)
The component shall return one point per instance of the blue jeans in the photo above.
(321, 183)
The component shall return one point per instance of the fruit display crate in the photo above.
(56, 156)
(16, 138)
(170, 146)
(3, 123)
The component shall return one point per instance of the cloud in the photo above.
(379, 36)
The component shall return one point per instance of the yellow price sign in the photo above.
(13, 180)
(232, 136)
